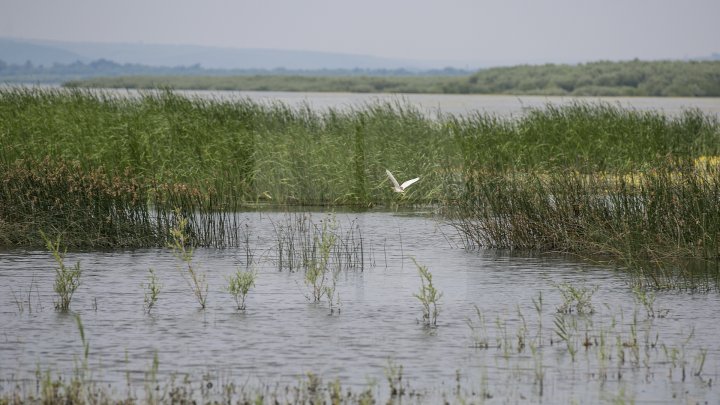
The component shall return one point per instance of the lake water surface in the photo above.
(282, 334)
(456, 104)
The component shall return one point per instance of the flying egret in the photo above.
(400, 188)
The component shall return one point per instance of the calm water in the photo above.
(283, 335)
(457, 104)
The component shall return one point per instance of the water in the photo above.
(283, 335)
(463, 104)
(456, 104)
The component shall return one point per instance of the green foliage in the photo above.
(603, 78)
(152, 290)
(320, 275)
(651, 220)
(576, 299)
(239, 285)
(589, 179)
(180, 245)
(428, 296)
(67, 280)
(585, 136)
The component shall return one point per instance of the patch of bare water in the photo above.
(282, 335)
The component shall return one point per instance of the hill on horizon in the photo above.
(47, 53)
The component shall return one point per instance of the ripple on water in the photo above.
(282, 335)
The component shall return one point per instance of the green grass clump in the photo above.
(197, 280)
(239, 284)
(67, 279)
(428, 296)
(152, 291)
(602, 78)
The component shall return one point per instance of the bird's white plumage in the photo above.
(400, 188)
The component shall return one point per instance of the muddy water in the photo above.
(283, 335)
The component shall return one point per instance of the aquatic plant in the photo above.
(23, 303)
(601, 353)
(576, 299)
(67, 280)
(428, 295)
(196, 280)
(319, 275)
(394, 376)
(239, 285)
(652, 222)
(152, 290)
(478, 331)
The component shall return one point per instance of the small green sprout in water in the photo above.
(428, 296)
(478, 332)
(576, 299)
(152, 290)
(196, 280)
(565, 329)
(647, 300)
(239, 284)
(394, 375)
(67, 280)
(83, 369)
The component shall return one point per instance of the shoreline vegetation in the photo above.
(604, 78)
(591, 180)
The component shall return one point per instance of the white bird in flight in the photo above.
(400, 188)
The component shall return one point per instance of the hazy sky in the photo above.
(480, 31)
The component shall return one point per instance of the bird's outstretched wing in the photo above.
(392, 178)
(409, 183)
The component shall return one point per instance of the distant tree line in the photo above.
(631, 78)
(604, 78)
(59, 72)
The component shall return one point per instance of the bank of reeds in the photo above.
(94, 209)
(109, 169)
(656, 219)
(246, 151)
(583, 136)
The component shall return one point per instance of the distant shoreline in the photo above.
(598, 79)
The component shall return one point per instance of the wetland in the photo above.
(570, 252)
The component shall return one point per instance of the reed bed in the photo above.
(110, 170)
(302, 241)
(93, 209)
(654, 220)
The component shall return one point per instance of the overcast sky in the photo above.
(465, 31)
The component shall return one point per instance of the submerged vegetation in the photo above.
(603, 352)
(604, 78)
(593, 180)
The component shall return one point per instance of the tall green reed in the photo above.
(152, 291)
(428, 295)
(197, 281)
(67, 280)
(660, 217)
(239, 284)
